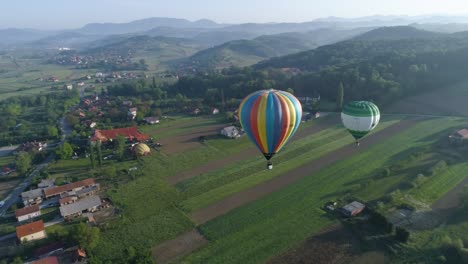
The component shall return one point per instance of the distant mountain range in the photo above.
(212, 33)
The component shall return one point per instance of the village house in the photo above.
(130, 134)
(352, 209)
(151, 120)
(459, 137)
(45, 183)
(196, 111)
(32, 146)
(88, 204)
(74, 186)
(27, 213)
(67, 200)
(68, 87)
(80, 84)
(127, 103)
(32, 197)
(46, 260)
(31, 231)
(230, 132)
(215, 111)
(132, 112)
(6, 171)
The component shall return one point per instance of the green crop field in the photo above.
(269, 226)
(212, 187)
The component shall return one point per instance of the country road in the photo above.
(13, 197)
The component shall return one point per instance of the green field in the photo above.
(269, 226)
(211, 187)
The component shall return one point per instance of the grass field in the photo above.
(209, 188)
(271, 225)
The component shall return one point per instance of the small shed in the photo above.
(230, 132)
(352, 209)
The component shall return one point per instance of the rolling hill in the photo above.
(247, 52)
(397, 33)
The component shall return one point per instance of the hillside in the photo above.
(397, 33)
(247, 52)
(144, 25)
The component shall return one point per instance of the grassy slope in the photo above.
(264, 228)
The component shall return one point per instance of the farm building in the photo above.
(46, 260)
(130, 133)
(71, 187)
(27, 213)
(196, 111)
(89, 204)
(45, 183)
(31, 231)
(68, 87)
(459, 137)
(132, 112)
(32, 197)
(151, 120)
(230, 132)
(67, 200)
(352, 209)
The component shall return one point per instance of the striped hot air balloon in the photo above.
(360, 117)
(270, 118)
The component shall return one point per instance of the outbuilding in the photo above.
(27, 213)
(352, 209)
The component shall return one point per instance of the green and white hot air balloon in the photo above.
(360, 117)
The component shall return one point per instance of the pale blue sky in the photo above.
(55, 14)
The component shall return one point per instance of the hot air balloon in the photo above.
(270, 118)
(142, 150)
(360, 117)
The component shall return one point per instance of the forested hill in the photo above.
(369, 46)
(247, 52)
(378, 70)
(397, 33)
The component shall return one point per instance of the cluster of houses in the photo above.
(459, 137)
(73, 198)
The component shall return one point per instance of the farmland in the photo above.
(288, 216)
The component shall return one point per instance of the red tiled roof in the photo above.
(66, 200)
(29, 229)
(68, 187)
(26, 210)
(48, 260)
(463, 133)
(128, 132)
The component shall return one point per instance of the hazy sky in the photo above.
(54, 14)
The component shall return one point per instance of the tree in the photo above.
(92, 158)
(109, 171)
(290, 90)
(23, 162)
(402, 234)
(65, 151)
(119, 146)
(340, 97)
(99, 153)
(86, 236)
(52, 131)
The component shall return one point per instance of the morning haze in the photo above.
(276, 132)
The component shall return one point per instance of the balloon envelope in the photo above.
(142, 149)
(270, 118)
(360, 117)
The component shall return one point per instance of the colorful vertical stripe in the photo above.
(360, 117)
(270, 118)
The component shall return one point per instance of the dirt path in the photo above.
(247, 153)
(222, 207)
(178, 247)
(449, 203)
